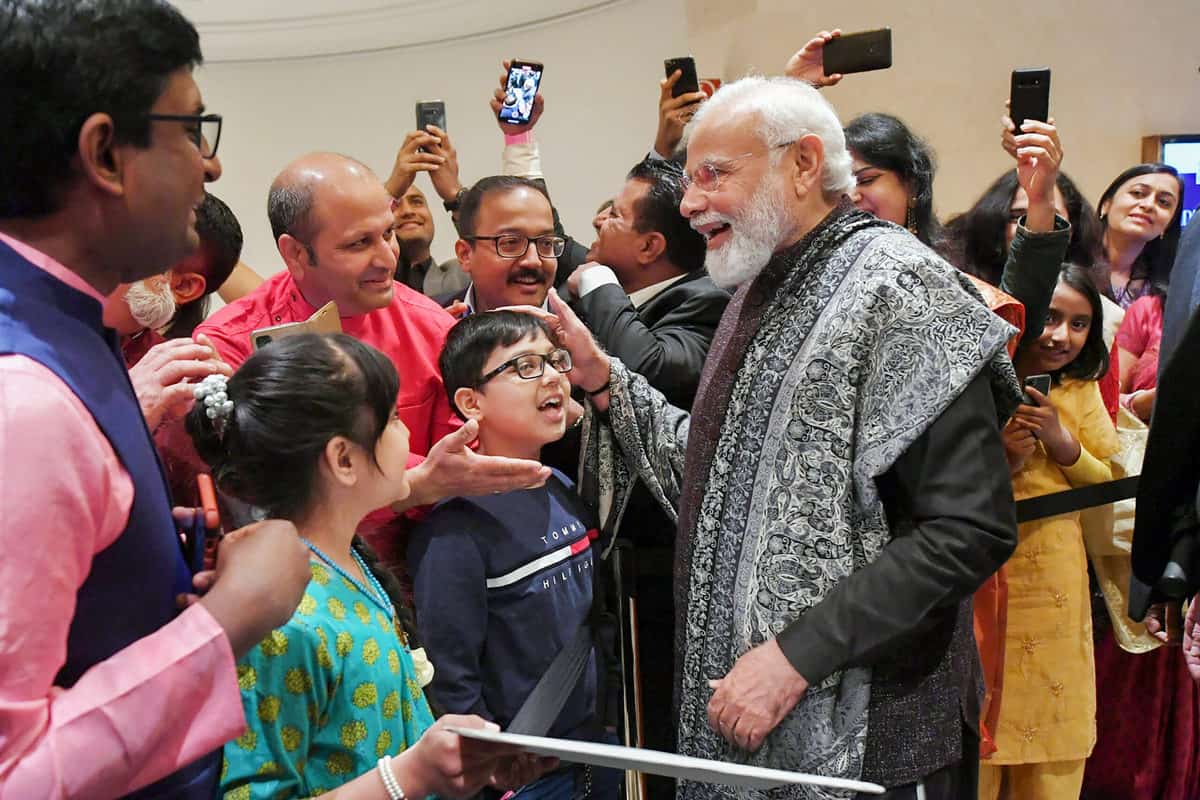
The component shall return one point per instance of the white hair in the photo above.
(152, 305)
(786, 109)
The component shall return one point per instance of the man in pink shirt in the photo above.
(105, 689)
(334, 228)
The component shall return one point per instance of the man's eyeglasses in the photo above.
(205, 129)
(514, 245)
(533, 365)
(707, 177)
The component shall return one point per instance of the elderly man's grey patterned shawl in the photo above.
(868, 339)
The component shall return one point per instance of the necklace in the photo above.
(378, 596)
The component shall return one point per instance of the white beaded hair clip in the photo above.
(213, 392)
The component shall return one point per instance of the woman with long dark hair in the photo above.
(980, 237)
(1140, 217)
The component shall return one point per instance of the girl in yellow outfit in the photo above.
(1047, 722)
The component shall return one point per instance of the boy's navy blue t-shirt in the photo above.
(501, 584)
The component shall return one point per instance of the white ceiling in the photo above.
(252, 30)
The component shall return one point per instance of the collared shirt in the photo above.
(595, 277)
(155, 706)
(469, 299)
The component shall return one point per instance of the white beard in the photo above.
(151, 308)
(755, 234)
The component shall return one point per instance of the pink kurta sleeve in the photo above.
(160, 703)
(1136, 329)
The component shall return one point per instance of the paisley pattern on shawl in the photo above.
(866, 341)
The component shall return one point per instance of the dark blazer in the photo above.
(667, 339)
(1171, 469)
(1184, 294)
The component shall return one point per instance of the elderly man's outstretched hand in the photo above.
(591, 365)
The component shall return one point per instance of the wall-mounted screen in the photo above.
(1183, 153)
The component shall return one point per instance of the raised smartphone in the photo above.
(688, 82)
(524, 78)
(431, 112)
(1029, 97)
(858, 52)
(1039, 382)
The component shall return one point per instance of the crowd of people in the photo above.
(776, 406)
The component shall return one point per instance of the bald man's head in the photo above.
(334, 228)
(295, 191)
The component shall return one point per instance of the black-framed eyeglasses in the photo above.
(514, 245)
(205, 129)
(533, 365)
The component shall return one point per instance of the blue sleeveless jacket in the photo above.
(130, 591)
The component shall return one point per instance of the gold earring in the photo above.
(910, 221)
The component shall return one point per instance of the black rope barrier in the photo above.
(1098, 494)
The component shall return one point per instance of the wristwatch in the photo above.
(452, 204)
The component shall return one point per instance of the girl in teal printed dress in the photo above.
(307, 430)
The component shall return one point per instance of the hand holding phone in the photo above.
(688, 81)
(858, 52)
(1041, 384)
(676, 106)
(204, 535)
(808, 63)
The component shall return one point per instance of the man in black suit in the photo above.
(1167, 488)
(645, 294)
(647, 299)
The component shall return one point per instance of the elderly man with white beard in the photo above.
(840, 484)
(163, 372)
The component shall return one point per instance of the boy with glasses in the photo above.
(503, 582)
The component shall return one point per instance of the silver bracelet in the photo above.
(389, 779)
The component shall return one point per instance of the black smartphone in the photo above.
(858, 52)
(524, 78)
(431, 112)
(1029, 97)
(1039, 382)
(688, 82)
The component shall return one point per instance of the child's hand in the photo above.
(1019, 444)
(1191, 639)
(1043, 421)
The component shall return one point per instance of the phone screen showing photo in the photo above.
(523, 82)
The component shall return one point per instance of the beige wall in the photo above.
(1120, 71)
(601, 89)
